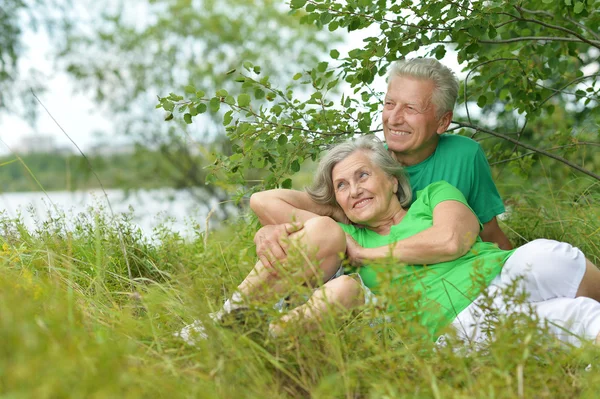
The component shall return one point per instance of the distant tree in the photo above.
(137, 50)
(526, 62)
(17, 17)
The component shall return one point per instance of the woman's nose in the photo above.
(355, 190)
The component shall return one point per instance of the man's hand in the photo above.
(353, 251)
(271, 242)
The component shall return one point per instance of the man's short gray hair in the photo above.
(322, 190)
(445, 92)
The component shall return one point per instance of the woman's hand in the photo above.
(353, 251)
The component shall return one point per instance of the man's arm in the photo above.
(493, 233)
(452, 234)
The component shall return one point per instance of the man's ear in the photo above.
(444, 122)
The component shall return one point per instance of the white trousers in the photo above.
(549, 273)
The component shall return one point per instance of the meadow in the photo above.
(90, 312)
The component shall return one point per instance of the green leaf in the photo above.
(259, 94)
(227, 118)
(322, 67)
(297, 4)
(189, 89)
(481, 101)
(187, 118)
(568, 2)
(222, 93)
(215, 104)
(334, 54)
(169, 116)
(282, 140)
(230, 71)
(243, 100)
(201, 108)
(297, 76)
(229, 100)
(256, 69)
(333, 26)
(578, 7)
(199, 94)
(287, 183)
(295, 167)
(168, 106)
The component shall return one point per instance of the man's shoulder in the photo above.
(455, 142)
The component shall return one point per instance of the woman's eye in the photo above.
(340, 185)
(363, 175)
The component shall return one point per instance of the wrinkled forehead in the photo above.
(354, 162)
(407, 89)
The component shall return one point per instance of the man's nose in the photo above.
(397, 115)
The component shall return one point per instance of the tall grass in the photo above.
(72, 323)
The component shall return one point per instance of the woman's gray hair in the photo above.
(445, 92)
(322, 190)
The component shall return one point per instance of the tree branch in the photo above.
(529, 147)
(562, 29)
(548, 149)
(556, 91)
(594, 43)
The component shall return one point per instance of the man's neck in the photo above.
(415, 158)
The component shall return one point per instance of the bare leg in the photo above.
(342, 293)
(321, 242)
(590, 284)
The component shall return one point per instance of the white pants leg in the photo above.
(549, 272)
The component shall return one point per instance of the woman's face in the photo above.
(363, 190)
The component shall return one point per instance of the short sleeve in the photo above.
(442, 191)
(483, 196)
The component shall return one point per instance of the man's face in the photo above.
(410, 124)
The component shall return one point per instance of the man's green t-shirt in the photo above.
(461, 162)
(445, 288)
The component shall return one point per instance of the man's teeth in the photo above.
(399, 133)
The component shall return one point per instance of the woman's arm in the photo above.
(454, 231)
(284, 206)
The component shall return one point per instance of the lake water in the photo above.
(177, 209)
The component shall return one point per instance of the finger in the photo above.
(265, 261)
(277, 251)
(293, 227)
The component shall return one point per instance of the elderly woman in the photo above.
(364, 189)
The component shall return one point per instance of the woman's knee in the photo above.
(325, 234)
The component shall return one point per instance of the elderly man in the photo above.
(417, 111)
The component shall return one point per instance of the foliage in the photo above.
(66, 300)
(126, 63)
(528, 65)
(18, 17)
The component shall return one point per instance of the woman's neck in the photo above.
(384, 226)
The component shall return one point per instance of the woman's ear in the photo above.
(395, 184)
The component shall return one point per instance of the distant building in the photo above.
(38, 143)
(104, 149)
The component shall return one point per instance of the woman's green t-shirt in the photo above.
(444, 289)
